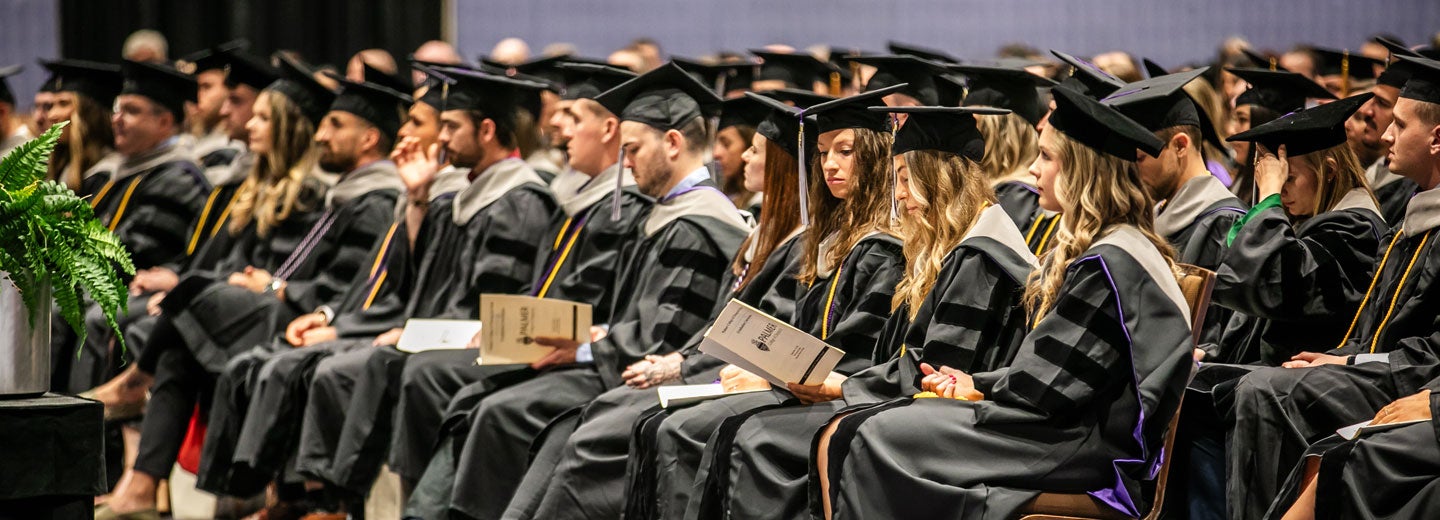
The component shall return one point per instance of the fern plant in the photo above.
(50, 236)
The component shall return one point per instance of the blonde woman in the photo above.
(1084, 405)
(1305, 252)
(958, 305)
(853, 258)
(81, 93)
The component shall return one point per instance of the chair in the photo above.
(1196, 284)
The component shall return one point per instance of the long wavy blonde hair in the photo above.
(87, 139)
(1348, 175)
(951, 190)
(1011, 144)
(867, 209)
(1095, 191)
(273, 189)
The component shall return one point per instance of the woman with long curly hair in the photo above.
(1084, 405)
(81, 93)
(852, 260)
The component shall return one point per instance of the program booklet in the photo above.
(681, 395)
(422, 335)
(512, 323)
(768, 347)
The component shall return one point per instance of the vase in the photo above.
(24, 349)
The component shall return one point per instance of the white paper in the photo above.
(769, 348)
(513, 322)
(681, 395)
(1349, 433)
(423, 335)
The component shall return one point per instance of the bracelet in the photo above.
(420, 203)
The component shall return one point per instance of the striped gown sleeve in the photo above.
(508, 232)
(665, 297)
(861, 303)
(153, 220)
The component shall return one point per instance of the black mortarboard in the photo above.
(1309, 130)
(100, 82)
(935, 55)
(1088, 79)
(942, 129)
(6, 96)
(1153, 69)
(741, 111)
(949, 89)
(382, 106)
(1100, 127)
(386, 79)
(1262, 61)
(1280, 91)
(852, 112)
(216, 57)
(1333, 62)
(1005, 87)
(297, 82)
(588, 80)
(919, 75)
(552, 68)
(249, 69)
(1161, 102)
(496, 97)
(665, 98)
(781, 121)
(1398, 72)
(1424, 83)
(797, 97)
(796, 70)
(723, 77)
(163, 84)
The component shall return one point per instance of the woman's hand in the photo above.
(1271, 170)
(949, 382)
(736, 379)
(827, 390)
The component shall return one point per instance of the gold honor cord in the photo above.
(124, 201)
(829, 305)
(225, 215)
(95, 202)
(1046, 237)
(550, 277)
(200, 224)
(1374, 340)
(375, 266)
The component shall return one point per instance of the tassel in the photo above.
(619, 188)
(804, 177)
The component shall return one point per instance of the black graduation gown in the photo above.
(1083, 407)
(149, 202)
(1273, 414)
(580, 256)
(1196, 221)
(1293, 286)
(1390, 471)
(586, 475)
(847, 310)
(503, 236)
(1020, 201)
(669, 288)
(973, 320)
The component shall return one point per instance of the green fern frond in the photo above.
(28, 162)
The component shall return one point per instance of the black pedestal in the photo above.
(52, 457)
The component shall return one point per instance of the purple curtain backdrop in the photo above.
(1168, 31)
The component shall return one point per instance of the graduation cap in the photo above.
(665, 98)
(386, 79)
(920, 52)
(1336, 62)
(216, 57)
(1279, 91)
(100, 82)
(382, 106)
(1161, 102)
(297, 82)
(249, 69)
(497, 97)
(797, 97)
(1424, 83)
(162, 84)
(1398, 72)
(1309, 130)
(796, 70)
(1101, 127)
(942, 129)
(1153, 69)
(781, 121)
(6, 96)
(1263, 61)
(917, 73)
(588, 80)
(1005, 87)
(1088, 79)
(724, 77)
(949, 89)
(741, 111)
(852, 112)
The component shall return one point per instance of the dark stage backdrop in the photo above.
(1172, 32)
